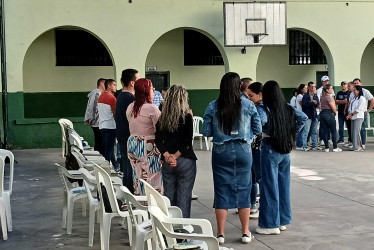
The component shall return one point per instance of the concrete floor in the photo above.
(332, 204)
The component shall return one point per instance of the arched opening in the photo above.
(60, 67)
(367, 65)
(190, 57)
(305, 58)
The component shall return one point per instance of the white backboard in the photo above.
(255, 23)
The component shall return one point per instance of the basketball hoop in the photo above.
(256, 27)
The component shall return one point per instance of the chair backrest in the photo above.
(89, 181)
(75, 139)
(103, 178)
(196, 124)
(2, 165)
(6, 153)
(154, 197)
(160, 222)
(64, 174)
(130, 202)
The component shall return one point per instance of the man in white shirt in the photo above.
(369, 98)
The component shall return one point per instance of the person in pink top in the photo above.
(141, 148)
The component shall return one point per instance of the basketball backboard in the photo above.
(255, 23)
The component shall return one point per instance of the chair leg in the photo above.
(130, 232)
(201, 142)
(206, 143)
(64, 211)
(70, 207)
(91, 225)
(84, 207)
(3, 222)
(8, 212)
(140, 241)
(105, 232)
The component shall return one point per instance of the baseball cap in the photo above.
(325, 78)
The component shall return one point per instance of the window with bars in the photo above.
(304, 49)
(200, 50)
(80, 48)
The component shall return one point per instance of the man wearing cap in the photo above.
(324, 80)
(369, 97)
(341, 101)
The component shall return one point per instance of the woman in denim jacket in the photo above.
(231, 120)
(280, 122)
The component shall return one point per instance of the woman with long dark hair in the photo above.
(231, 120)
(174, 132)
(280, 122)
(142, 151)
(356, 111)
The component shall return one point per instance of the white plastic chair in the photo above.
(75, 139)
(90, 183)
(102, 178)
(3, 201)
(141, 225)
(63, 122)
(196, 132)
(8, 192)
(161, 224)
(155, 198)
(70, 196)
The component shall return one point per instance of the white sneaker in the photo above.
(254, 216)
(306, 149)
(363, 147)
(347, 144)
(317, 148)
(267, 231)
(299, 149)
(247, 238)
(221, 239)
(337, 150)
(194, 197)
(282, 227)
(358, 150)
(327, 150)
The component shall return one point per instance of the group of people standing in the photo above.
(321, 107)
(155, 146)
(250, 116)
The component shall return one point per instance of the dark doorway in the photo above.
(160, 80)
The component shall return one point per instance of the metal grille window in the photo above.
(200, 50)
(80, 48)
(304, 49)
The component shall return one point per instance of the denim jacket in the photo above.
(309, 108)
(250, 124)
(301, 119)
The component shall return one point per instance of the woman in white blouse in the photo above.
(356, 111)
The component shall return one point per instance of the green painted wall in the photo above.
(55, 104)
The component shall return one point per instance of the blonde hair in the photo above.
(174, 107)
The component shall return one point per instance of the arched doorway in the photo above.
(297, 62)
(60, 67)
(190, 57)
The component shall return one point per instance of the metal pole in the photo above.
(3, 75)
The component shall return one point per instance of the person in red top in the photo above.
(107, 111)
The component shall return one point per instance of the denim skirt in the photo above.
(231, 164)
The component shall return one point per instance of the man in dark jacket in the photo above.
(310, 103)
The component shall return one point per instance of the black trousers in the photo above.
(99, 145)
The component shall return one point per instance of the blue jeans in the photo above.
(275, 208)
(119, 150)
(178, 183)
(256, 164)
(328, 124)
(363, 131)
(299, 138)
(126, 167)
(109, 138)
(310, 129)
(342, 118)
